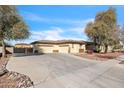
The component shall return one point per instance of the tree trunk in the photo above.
(106, 48)
(3, 49)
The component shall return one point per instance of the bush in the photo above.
(97, 50)
(117, 48)
(90, 51)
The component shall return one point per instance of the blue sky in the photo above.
(61, 22)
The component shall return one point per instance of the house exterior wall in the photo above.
(74, 48)
(60, 48)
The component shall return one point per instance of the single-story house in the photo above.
(56, 46)
(59, 46)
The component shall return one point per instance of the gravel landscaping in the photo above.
(121, 62)
(15, 80)
(100, 56)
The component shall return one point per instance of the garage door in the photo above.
(55, 51)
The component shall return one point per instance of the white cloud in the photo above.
(75, 32)
(50, 34)
(57, 34)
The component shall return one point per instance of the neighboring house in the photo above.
(23, 49)
(91, 46)
(59, 46)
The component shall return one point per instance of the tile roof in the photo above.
(58, 41)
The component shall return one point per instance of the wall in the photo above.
(62, 48)
(75, 48)
(49, 49)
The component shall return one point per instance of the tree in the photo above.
(93, 34)
(102, 30)
(121, 34)
(12, 26)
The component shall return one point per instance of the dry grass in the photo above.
(121, 62)
(100, 56)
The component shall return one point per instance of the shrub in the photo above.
(90, 51)
(97, 50)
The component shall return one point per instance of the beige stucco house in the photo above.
(59, 46)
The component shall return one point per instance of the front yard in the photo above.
(100, 56)
(48, 67)
(65, 70)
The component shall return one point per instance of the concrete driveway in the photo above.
(64, 70)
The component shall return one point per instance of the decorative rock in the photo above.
(23, 80)
(3, 71)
